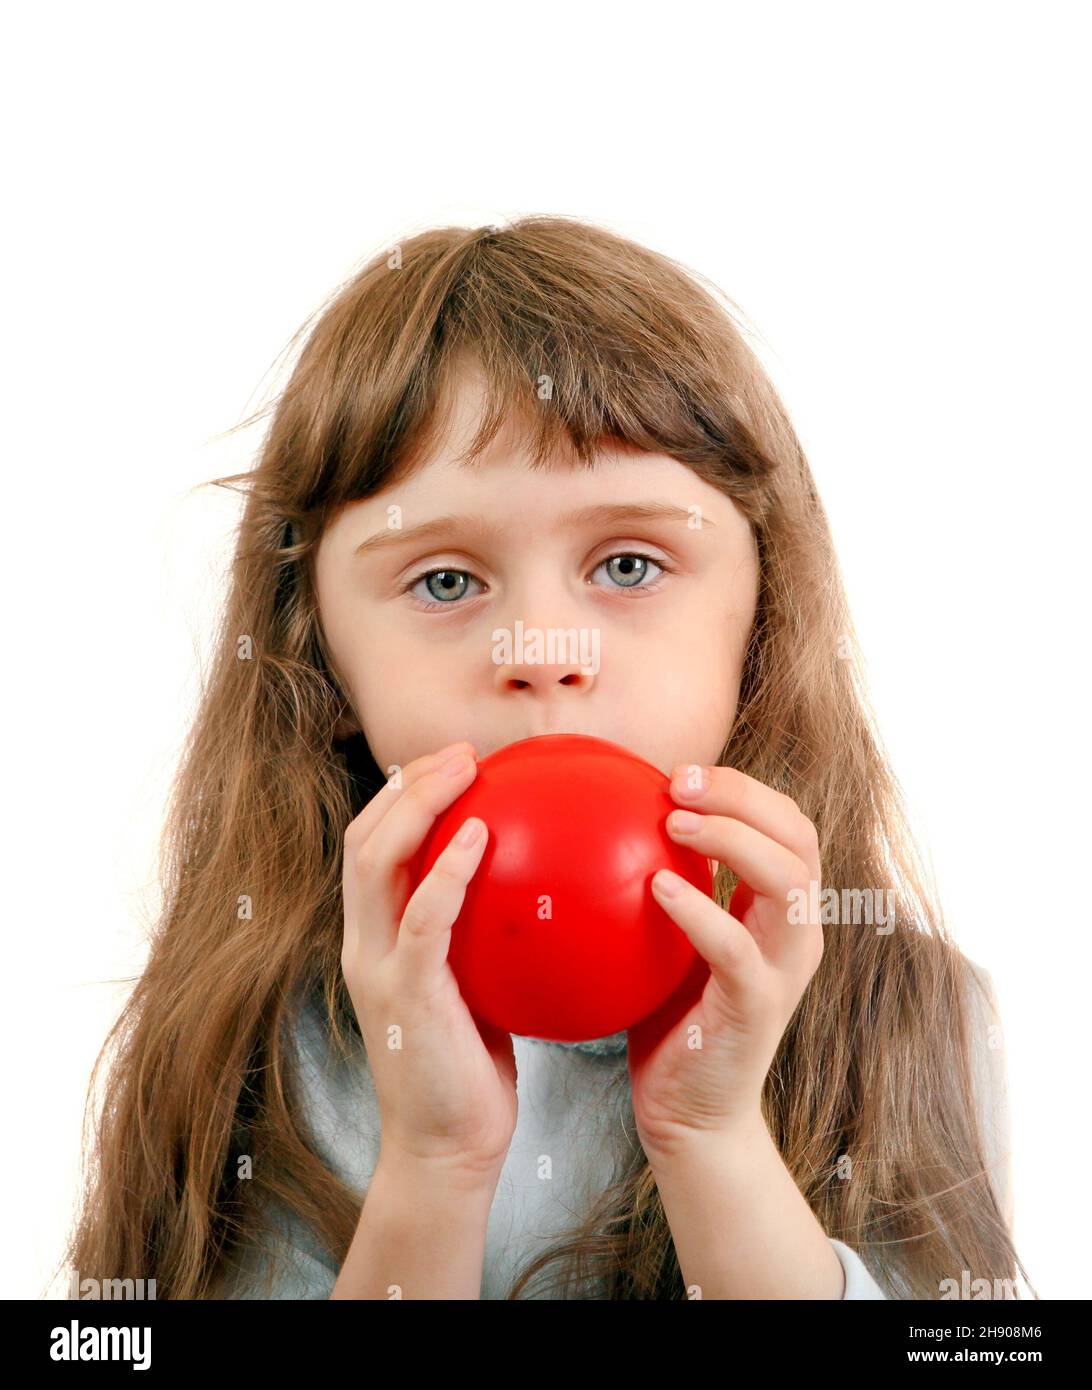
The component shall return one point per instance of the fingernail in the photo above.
(684, 822)
(470, 832)
(681, 784)
(667, 884)
(455, 765)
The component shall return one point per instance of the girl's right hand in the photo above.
(446, 1084)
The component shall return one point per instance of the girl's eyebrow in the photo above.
(600, 513)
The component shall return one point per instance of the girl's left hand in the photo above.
(702, 1069)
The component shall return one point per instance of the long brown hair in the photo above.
(876, 1063)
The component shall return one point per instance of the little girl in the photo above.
(545, 424)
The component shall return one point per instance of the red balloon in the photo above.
(559, 936)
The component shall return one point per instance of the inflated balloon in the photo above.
(559, 936)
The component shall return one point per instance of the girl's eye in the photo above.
(629, 569)
(448, 586)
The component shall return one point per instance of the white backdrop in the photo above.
(895, 196)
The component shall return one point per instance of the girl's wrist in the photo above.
(440, 1175)
(684, 1142)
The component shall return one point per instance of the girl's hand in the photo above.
(757, 959)
(446, 1085)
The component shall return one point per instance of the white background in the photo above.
(895, 196)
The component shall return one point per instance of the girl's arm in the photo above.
(777, 1245)
(741, 1226)
(421, 1234)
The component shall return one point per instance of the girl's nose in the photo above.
(542, 659)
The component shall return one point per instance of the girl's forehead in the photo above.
(508, 484)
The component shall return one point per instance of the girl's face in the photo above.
(644, 652)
